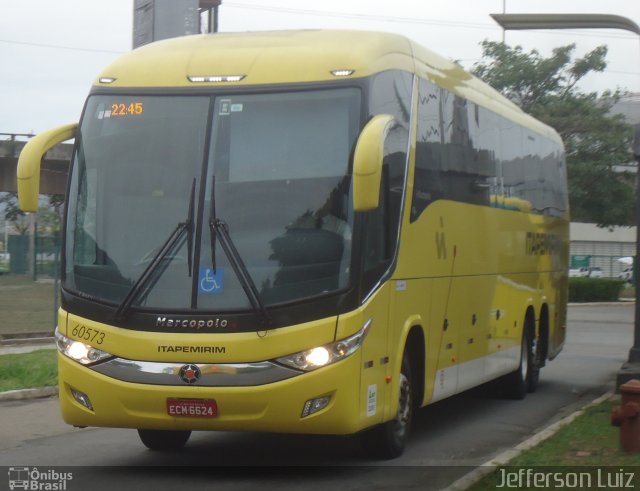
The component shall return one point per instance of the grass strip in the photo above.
(26, 305)
(28, 370)
(588, 441)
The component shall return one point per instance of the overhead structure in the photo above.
(154, 20)
(515, 22)
(211, 8)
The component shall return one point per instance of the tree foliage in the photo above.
(49, 216)
(595, 140)
(14, 217)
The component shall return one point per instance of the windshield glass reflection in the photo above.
(281, 183)
(277, 169)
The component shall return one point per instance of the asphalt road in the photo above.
(450, 438)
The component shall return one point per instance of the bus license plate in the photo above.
(192, 408)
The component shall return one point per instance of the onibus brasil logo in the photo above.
(34, 479)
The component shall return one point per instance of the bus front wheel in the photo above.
(164, 440)
(388, 440)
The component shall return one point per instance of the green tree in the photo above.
(49, 217)
(14, 217)
(595, 140)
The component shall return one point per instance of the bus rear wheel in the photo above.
(388, 440)
(519, 382)
(164, 440)
(536, 363)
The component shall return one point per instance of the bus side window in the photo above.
(382, 224)
(390, 94)
(427, 185)
(86, 250)
(376, 241)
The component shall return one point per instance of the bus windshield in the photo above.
(274, 167)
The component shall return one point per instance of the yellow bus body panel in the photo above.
(261, 57)
(357, 395)
(237, 347)
(476, 272)
(273, 407)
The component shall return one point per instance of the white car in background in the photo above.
(578, 272)
(626, 274)
(595, 272)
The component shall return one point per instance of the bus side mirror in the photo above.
(367, 162)
(29, 163)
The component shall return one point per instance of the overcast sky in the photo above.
(51, 50)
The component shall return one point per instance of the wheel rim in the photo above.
(524, 359)
(537, 353)
(404, 407)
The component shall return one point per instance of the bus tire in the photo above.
(536, 363)
(517, 382)
(388, 440)
(164, 440)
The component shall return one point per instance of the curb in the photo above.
(23, 394)
(18, 349)
(18, 338)
(505, 457)
(621, 303)
(22, 341)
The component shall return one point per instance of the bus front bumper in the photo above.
(274, 407)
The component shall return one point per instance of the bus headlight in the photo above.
(78, 351)
(321, 356)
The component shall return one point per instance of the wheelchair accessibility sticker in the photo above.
(210, 282)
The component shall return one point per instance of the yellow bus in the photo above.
(310, 232)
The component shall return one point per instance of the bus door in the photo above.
(444, 324)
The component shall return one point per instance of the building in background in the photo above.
(606, 248)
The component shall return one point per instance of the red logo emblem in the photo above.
(190, 374)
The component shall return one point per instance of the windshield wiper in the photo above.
(220, 229)
(168, 247)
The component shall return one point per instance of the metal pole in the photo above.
(211, 7)
(504, 30)
(634, 352)
(33, 245)
(56, 276)
(6, 237)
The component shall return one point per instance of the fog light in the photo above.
(315, 405)
(82, 398)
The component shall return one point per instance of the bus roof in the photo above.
(262, 57)
(279, 57)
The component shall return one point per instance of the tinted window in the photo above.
(470, 154)
(390, 94)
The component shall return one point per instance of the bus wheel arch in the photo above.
(415, 347)
(388, 440)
